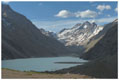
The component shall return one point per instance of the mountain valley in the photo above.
(85, 41)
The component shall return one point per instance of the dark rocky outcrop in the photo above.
(22, 39)
(106, 46)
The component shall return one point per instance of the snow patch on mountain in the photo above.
(80, 34)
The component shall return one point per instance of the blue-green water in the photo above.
(40, 64)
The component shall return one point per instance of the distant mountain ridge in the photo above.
(80, 34)
(22, 39)
(48, 33)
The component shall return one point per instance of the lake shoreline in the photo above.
(41, 57)
(42, 64)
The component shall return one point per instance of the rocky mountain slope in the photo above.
(48, 33)
(80, 34)
(21, 38)
(108, 44)
(99, 36)
(77, 38)
(103, 57)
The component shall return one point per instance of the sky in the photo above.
(55, 16)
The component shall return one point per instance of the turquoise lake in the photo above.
(40, 64)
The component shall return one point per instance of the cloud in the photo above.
(86, 14)
(116, 9)
(82, 14)
(103, 7)
(107, 7)
(64, 14)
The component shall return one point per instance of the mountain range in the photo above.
(103, 56)
(22, 39)
(77, 38)
(98, 44)
(80, 34)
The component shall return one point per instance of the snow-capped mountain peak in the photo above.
(80, 34)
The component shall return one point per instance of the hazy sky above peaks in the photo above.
(54, 16)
